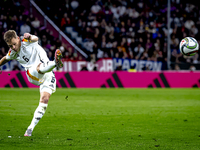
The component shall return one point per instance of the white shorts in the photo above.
(47, 81)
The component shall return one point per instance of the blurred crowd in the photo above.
(134, 29)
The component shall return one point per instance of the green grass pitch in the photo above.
(102, 119)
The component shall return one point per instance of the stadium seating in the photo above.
(102, 23)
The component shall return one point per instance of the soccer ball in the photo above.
(189, 46)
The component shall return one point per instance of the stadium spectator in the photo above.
(138, 50)
(95, 9)
(20, 21)
(95, 23)
(74, 4)
(25, 28)
(35, 23)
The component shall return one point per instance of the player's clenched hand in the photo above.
(27, 36)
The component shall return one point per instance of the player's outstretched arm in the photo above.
(3, 61)
(30, 37)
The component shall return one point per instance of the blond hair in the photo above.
(9, 35)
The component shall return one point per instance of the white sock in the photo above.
(47, 67)
(39, 112)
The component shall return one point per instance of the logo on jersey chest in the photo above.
(23, 48)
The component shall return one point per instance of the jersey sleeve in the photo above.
(10, 55)
(26, 41)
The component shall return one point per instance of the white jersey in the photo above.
(30, 54)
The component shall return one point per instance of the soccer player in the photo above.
(33, 58)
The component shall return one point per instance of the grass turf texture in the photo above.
(98, 119)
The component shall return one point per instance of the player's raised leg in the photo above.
(50, 65)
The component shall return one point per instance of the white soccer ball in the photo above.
(189, 46)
